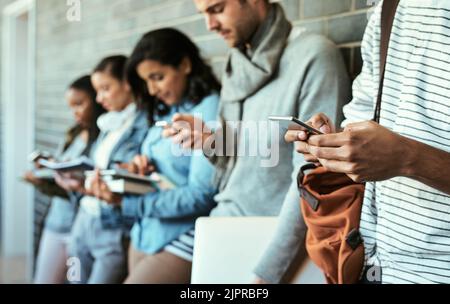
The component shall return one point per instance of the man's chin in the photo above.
(232, 43)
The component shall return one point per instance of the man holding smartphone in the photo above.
(405, 159)
(272, 69)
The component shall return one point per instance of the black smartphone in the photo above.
(293, 123)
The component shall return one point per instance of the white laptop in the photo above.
(227, 250)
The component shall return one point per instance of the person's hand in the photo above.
(125, 166)
(70, 182)
(29, 177)
(364, 151)
(100, 190)
(141, 165)
(37, 165)
(188, 131)
(320, 122)
(138, 165)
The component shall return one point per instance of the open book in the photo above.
(79, 164)
(36, 155)
(120, 181)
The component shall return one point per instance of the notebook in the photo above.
(126, 186)
(121, 181)
(79, 164)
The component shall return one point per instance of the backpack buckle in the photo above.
(354, 239)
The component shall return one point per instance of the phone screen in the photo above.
(162, 124)
(292, 123)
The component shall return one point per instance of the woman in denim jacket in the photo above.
(100, 233)
(52, 255)
(167, 65)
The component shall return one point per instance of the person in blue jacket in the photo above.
(166, 69)
(100, 233)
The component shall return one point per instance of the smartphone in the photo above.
(292, 123)
(162, 124)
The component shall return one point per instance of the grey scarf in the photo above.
(244, 76)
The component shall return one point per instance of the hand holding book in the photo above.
(31, 178)
(38, 175)
(70, 182)
(121, 181)
(55, 178)
(44, 183)
(100, 190)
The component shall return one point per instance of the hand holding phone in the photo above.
(188, 131)
(31, 178)
(292, 123)
(300, 137)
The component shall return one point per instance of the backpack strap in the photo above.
(387, 19)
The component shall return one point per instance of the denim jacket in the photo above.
(124, 151)
(163, 216)
(62, 212)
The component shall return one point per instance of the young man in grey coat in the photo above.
(272, 69)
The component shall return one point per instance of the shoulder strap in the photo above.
(387, 19)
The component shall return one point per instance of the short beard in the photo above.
(250, 28)
(248, 31)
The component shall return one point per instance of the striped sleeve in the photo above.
(361, 108)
